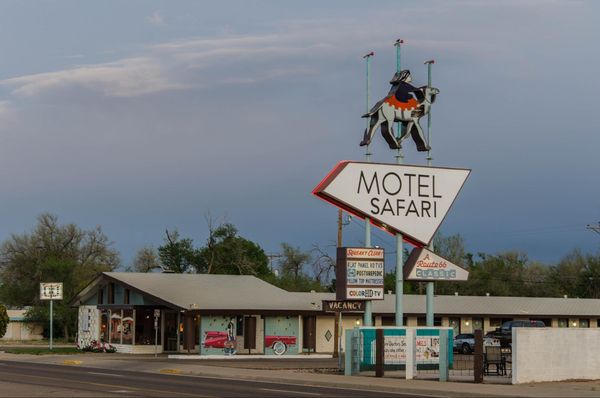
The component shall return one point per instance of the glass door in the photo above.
(170, 341)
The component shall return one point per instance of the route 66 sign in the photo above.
(51, 291)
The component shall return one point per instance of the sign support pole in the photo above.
(399, 238)
(430, 286)
(51, 326)
(339, 330)
(368, 316)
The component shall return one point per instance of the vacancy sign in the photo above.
(412, 200)
(425, 265)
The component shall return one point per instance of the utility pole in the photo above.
(271, 256)
(337, 335)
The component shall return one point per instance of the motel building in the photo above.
(222, 314)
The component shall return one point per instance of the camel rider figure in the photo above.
(401, 87)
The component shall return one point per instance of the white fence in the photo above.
(554, 354)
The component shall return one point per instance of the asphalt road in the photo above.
(32, 379)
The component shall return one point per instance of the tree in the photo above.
(53, 253)
(146, 260)
(228, 253)
(452, 248)
(323, 265)
(3, 320)
(566, 275)
(179, 255)
(293, 260)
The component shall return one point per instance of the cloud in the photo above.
(124, 78)
(6, 112)
(156, 19)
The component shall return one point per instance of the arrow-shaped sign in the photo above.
(425, 265)
(412, 200)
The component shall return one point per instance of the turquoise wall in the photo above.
(425, 335)
(286, 326)
(217, 325)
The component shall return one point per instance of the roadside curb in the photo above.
(247, 357)
(362, 384)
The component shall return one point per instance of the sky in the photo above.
(144, 115)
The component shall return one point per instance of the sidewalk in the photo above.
(163, 365)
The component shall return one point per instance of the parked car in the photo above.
(465, 342)
(504, 333)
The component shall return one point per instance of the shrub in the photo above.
(97, 346)
(3, 320)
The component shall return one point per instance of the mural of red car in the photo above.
(215, 339)
(279, 344)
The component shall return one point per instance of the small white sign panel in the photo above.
(412, 200)
(425, 265)
(427, 349)
(364, 273)
(364, 293)
(51, 291)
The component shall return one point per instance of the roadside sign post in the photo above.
(51, 291)
(156, 317)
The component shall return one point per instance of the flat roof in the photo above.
(482, 305)
(245, 293)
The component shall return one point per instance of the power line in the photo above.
(595, 228)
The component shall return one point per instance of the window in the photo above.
(547, 322)
(477, 323)
(563, 323)
(144, 327)
(455, 324)
(495, 323)
(101, 295)
(239, 325)
(116, 327)
(391, 320)
(104, 326)
(126, 297)
(422, 321)
(584, 323)
(111, 293)
(127, 323)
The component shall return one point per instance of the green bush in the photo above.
(3, 320)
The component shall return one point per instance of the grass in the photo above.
(41, 350)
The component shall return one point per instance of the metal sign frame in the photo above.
(349, 258)
(51, 291)
(441, 268)
(348, 200)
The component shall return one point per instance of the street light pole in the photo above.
(430, 285)
(399, 238)
(368, 316)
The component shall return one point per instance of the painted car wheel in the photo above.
(279, 348)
